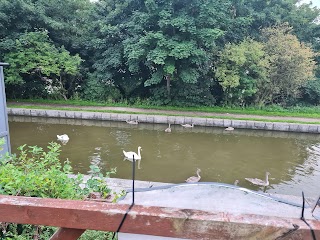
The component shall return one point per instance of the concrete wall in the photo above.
(209, 122)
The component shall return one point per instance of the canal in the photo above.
(291, 158)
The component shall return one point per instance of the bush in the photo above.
(37, 173)
(183, 95)
(312, 92)
(99, 90)
(34, 172)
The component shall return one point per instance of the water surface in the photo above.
(172, 157)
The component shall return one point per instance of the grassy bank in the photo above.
(61, 105)
(308, 112)
(163, 114)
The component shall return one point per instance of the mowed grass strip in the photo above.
(55, 107)
(274, 110)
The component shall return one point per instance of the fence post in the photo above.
(4, 126)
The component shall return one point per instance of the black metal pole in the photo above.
(133, 178)
(132, 203)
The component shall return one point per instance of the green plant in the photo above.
(25, 232)
(100, 90)
(35, 172)
(96, 235)
(97, 183)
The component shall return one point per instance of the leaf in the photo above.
(155, 78)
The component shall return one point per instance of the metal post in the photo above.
(4, 126)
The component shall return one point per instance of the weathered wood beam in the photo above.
(158, 221)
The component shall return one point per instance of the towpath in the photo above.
(166, 112)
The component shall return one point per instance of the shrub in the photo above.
(34, 172)
(312, 91)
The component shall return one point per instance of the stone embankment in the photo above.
(149, 118)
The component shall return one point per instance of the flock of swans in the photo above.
(255, 181)
(193, 179)
(64, 138)
(169, 130)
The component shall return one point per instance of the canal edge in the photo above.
(160, 119)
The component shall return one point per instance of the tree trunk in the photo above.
(168, 78)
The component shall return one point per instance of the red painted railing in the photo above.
(74, 217)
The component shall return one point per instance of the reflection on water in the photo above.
(131, 160)
(291, 158)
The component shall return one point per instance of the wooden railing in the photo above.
(74, 217)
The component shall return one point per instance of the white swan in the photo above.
(194, 179)
(229, 129)
(259, 182)
(168, 130)
(187, 125)
(132, 121)
(63, 137)
(130, 155)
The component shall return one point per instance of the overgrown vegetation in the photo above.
(174, 52)
(34, 172)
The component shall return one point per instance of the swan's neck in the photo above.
(198, 174)
(139, 152)
(169, 125)
(267, 178)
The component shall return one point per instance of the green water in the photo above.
(172, 157)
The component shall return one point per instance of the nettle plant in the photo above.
(37, 173)
(34, 172)
(97, 183)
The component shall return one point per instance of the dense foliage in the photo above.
(52, 71)
(35, 172)
(182, 52)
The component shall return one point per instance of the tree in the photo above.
(66, 24)
(260, 14)
(35, 60)
(311, 92)
(11, 20)
(269, 72)
(291, 64)
(304, 23)
(64, 20)
(147, 44)
(242, 69)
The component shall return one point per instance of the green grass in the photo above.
(252, 118)
(308, 112)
